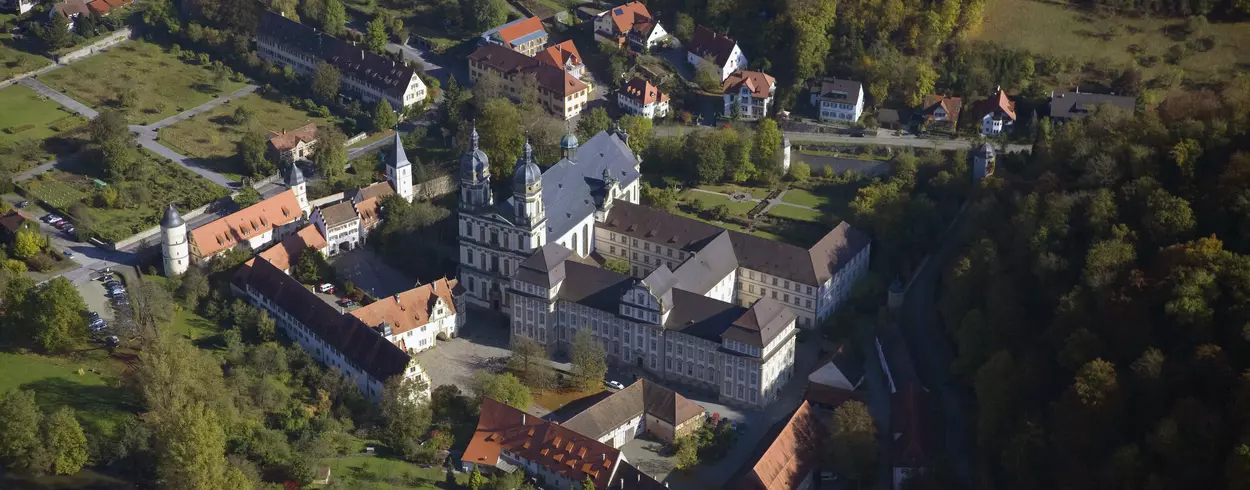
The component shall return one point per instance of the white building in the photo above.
(367, 75)
(558, 205)
(639, 97)
(254, 227)
(399, 170)
(631, 23)
(644, 407)
(413, 319)
(175, 246)
(838, 100)
(997, 113)
(340, 225)
(749, 93)
(338, 341)
(715, 51)
(19, 6)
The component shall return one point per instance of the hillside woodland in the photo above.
(1102, 313)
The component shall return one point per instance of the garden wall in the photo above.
(113, 39)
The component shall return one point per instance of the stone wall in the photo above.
(435, 187)
(118, 36)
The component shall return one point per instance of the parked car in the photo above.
(69, 229)
(47, 218)
(350, 304)
(325, 288)
(60, 225)
(69, 254)
(616, 384)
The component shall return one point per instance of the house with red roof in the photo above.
(565, 57)
(997, 113)
(526, 36)
(631, 23)
(717, 51)
(750, 93)
(641, 98)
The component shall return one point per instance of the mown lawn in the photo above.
(29, 116)
(803, 197)
(755, 192)
(710, 201)
(1058, 30)
(163, 84)
(213, 135)
(782, 210)
(382, 473)
(98, 397)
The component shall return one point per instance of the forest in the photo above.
(1101, 313)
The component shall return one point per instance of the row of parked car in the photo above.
(60, 223)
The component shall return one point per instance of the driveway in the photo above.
(482, 345)
(369, 273)
(60, 98)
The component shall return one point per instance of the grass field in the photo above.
(163, 84)
(1065, 31)
(803, 197)
(192, 326)
(712, 200)
(795, 212)
(99, 399)
(29, 116)
(379, 473)
(756, 192)
(14, 62)
(212, 136)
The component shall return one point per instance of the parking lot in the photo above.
(481, 345)
(114, 310)
(369, 273)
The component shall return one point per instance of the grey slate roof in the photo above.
(356, 61)
(338, 214)
(171, 218)
(1073, 105)
(837, 90)
(700, 316)
(396, 157)
(808, 266)
(545, 267)
(702, 270)
(761, 323)
(567, 185)
(642, 396)
(593, 286)
(295, 176)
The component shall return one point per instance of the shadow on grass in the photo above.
(93, 403)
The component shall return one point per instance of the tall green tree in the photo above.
(406, 413)
(504, 388)
(21, 444)
(767, 142)
(65, 441)
(191, 447)
(589, 360)
(333, 17)
(253, 152)
(480, 15)
(707, 150)
(330, 153)
(375, 35)
(501, 137)
(384, 116)
(325, 81)
(810, 21)
(593, 123)
(639, 130)
(59, 322)
(854, 441)
(27, 243)
(530, 362)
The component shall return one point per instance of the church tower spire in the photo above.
(475, 176)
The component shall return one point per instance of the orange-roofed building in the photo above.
(413, 319)
(296, 144)
(563, 56)
(751, 92)
(254, 227)
(525, 36)
(507, 439)
(287, 252)
(641, 98)
(368, 203)
(789, 460)
(997, 113)
(630, 22)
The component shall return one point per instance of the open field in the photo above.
(162, 84)
(98, 398)
(1063, 31)
(14, 62)
(30, 116)
(797, 213)
(212, 136)
(54, 192)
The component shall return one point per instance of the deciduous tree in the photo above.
(406, 413)
(589, 360)
(65, 442)
(530, 362)
(854, 440)
(384, 117)
(59, 321)
(252, 151)
(20, 441)
(325, 81)
(330, 154)
(375, 35)
(593, 123)
(504, 388)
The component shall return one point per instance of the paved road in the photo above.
(205, 107)
(61, 98)
(885, 138)
(35, 73)
(932, 353)
(88, 257)
(41, 168)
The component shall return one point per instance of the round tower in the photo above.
(175, 248)
(568, 147)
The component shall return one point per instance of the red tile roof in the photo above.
(507, 62)
(791, 456)
(560, 54)
(512, 32)
(246, 223)
(998, 103)
(633, 15)
(288, 249)
(285, 140)
(951, 105)
(410, 309)
(642, 90)
(503, 428)
(760, 84)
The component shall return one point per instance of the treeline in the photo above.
(1216, 9)
(1100, 312)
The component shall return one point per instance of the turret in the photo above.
(295, 181)
(475, 176)
(568, 147)
(399, 170)
(527, 187)
(175, 248)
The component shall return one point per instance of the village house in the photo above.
(340, 225)
(507, 440)
(720, 53)
(294, 145)
(525, 36)
(639, 97)
(941, 111)
(996, 113)
(838, 100)
(565, 57)
(1066, 106)
(630, 23)
(644, 407)
(337, 341)
(71, 9)
(559, 92)
(364, 74)
(750, 93)
(253, 227)
(414, 319)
